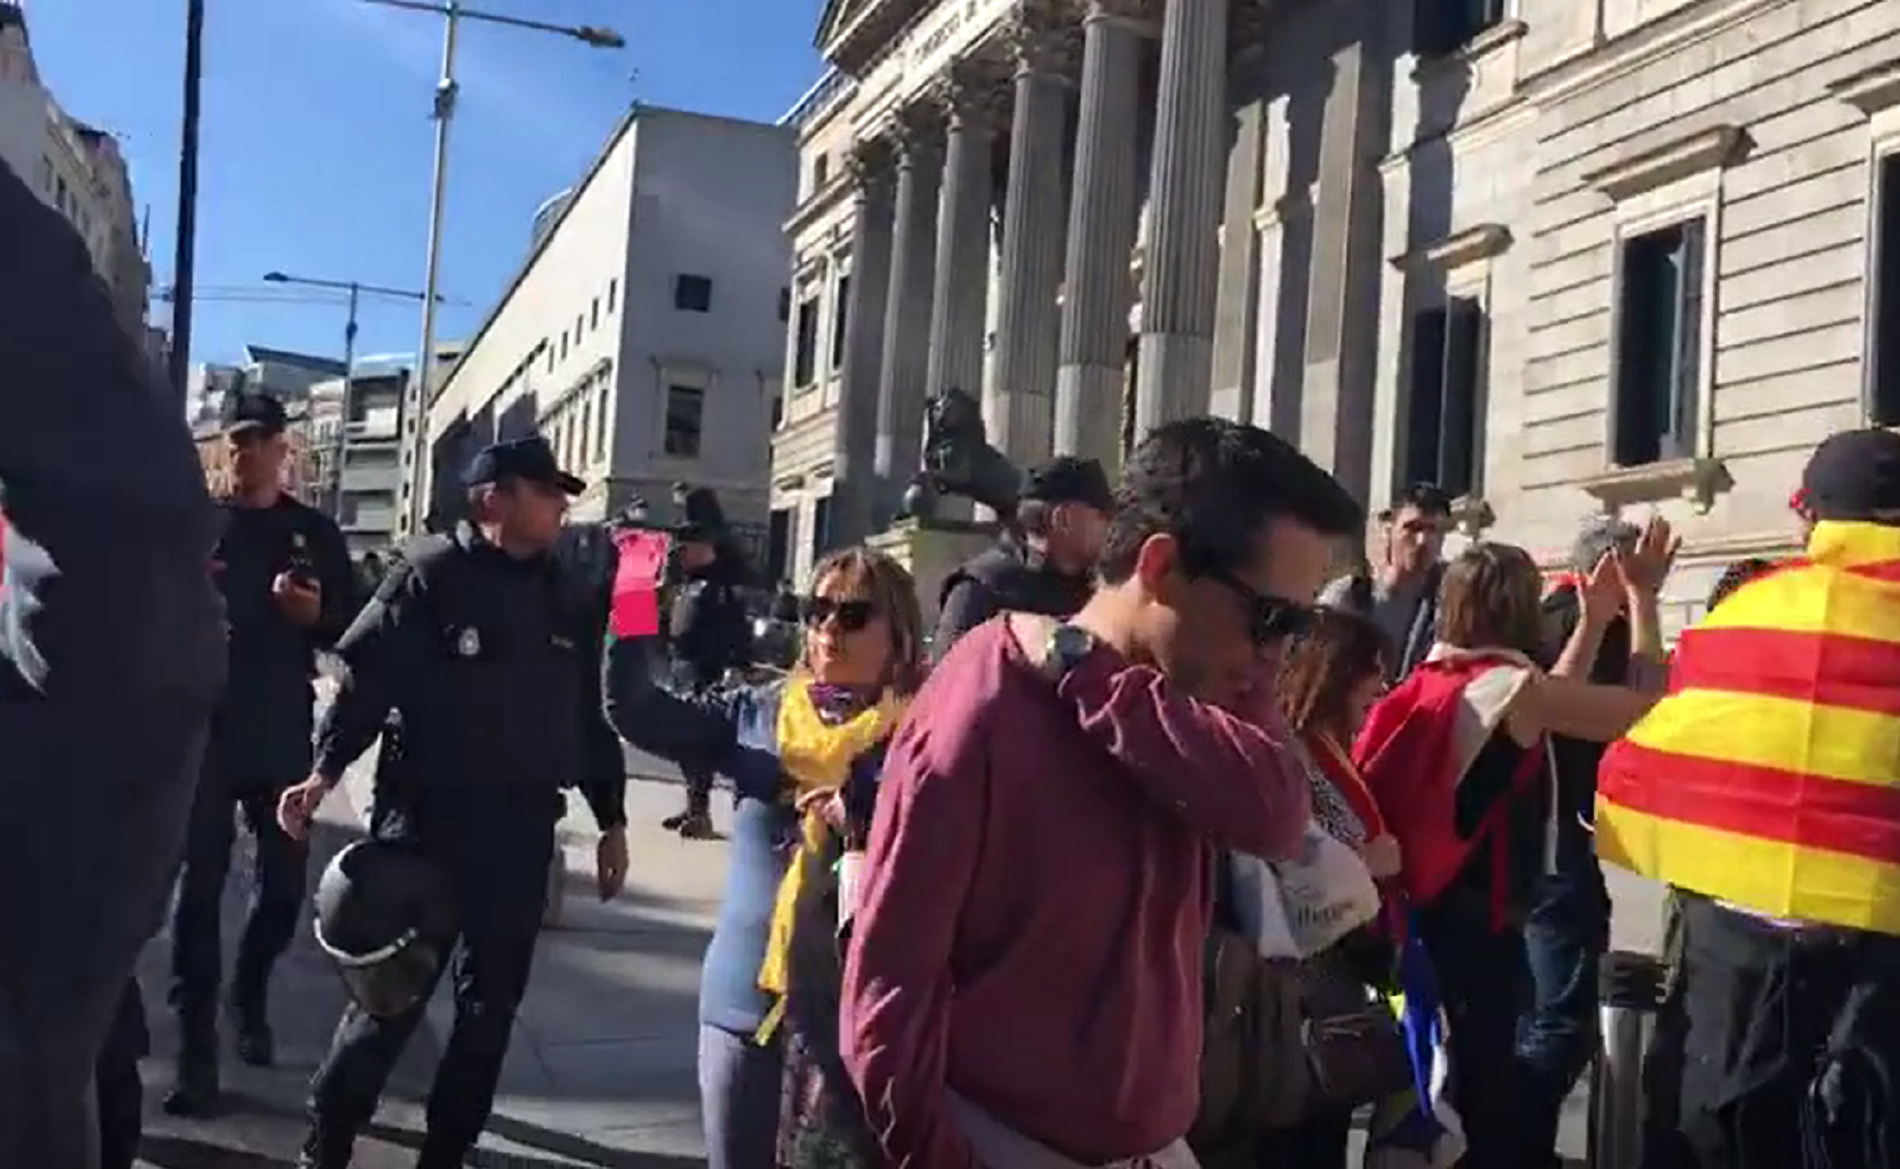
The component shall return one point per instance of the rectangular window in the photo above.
(784, 306)
(840, 317)
(593, 315)
(1883, 346)
(545, 345)
(685, 412)
(820, 527)
(563, 345)
(692, 294)
(584, 433)
(613, 293)
(1440, 27)
(600, 420)
(778, 544)
(1658, 358)
(805, 344)
(579, 330)
(1444, 414)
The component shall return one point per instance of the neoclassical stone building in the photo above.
(1559, 255)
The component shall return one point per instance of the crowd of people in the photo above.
(1171, 845)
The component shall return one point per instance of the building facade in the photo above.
(76, 169)
(363, 501)
(1561, 256)
(643, 334)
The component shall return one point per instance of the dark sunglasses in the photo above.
(850, 615)
(1269, 619)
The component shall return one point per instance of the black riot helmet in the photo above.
(384, 917)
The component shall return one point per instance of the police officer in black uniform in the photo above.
(708, 630)
(1047, 566)
(289, 590)
(491, 668)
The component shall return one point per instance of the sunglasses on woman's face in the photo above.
(851, 616)
(1270, 619)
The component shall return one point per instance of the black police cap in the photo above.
(530, 459)
(1068, 479)
(253, 412)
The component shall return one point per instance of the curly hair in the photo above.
(1340, 650)
(891, 590)
(1492, 599)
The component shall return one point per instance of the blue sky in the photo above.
(316, 135)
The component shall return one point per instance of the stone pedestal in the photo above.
(932, 551)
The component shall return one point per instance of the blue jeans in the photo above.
(1565, 935)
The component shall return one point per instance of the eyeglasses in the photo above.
(1269, 619)
(850, 615)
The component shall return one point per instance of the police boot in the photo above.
(325, 1149)
(194, 1092)
(251, 1035)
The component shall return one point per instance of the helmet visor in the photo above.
(395, 984)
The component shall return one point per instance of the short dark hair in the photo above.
(1425, 498)
(1212, 485)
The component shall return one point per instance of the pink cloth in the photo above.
(636, 607)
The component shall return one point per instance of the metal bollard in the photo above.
(1631, 991)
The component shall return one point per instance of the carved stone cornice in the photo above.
(916, 130)
(972, 92)
(1871, 91)
(1697, 480)
(1044, 37)
(872, 165)
(1458, 249)
(1707, 150)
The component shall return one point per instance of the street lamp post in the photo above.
(185, 245)
(355, 289)
(453, 12)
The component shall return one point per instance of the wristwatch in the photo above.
(1067, 646)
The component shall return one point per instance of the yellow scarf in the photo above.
(815, 757)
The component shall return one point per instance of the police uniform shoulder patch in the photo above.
(469, 644)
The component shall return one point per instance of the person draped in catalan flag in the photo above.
(1458, 759)
(1766, 787)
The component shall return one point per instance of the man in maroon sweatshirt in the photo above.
(1026, 961)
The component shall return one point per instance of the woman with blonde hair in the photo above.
(1457, 758)
(803, 754)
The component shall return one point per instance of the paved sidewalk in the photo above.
(600, 1072)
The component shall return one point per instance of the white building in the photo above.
(644, 333)
(1562, 256)
(74, 168)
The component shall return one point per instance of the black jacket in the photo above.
(1008, 577)
(491, 666)
(111, 659)
(1577, 759)
(708, 629)
(261, 733)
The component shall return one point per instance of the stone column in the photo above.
(854, 495)
(1181, 254)
(1237, 301)
(1337, 395)
(962, 288)
(900, 397)
(1021, 396)
(1097, 289)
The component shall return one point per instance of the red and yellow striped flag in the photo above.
(1770, 774)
